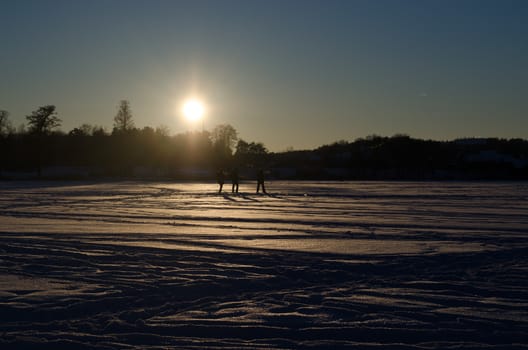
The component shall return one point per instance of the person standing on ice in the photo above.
(220, 179)
(234, 179)
(260, 181)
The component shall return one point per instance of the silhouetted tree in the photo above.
(83, 130)
(224, 138)
(250, 153)
(99, 131)
(43, 120)
(257, 148)
(226, 135)
(123, 120)
(242, 147)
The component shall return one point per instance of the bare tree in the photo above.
(43, 120)
(224, 137)
(123, 119)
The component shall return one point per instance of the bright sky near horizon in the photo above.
(288, 73)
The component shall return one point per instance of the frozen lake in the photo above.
(149, 265)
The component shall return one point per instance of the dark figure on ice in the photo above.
(234, 179)
(260, 181)
(220, 179)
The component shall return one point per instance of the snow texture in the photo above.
(136, 265)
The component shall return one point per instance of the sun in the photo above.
(193, 110)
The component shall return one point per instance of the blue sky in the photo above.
(286, 73)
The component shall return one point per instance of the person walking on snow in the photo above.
(260, 181)
(220, 179)
(234, 179)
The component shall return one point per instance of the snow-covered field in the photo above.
(143, 265)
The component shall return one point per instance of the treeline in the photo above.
(38, 149)
(401, 157)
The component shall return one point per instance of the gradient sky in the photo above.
(286, 73)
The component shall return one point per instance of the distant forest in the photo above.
(39, 150)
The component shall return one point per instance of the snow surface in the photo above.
(142, 265)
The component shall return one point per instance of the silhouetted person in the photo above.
(234, 179)
(220, 179)
(260, 181)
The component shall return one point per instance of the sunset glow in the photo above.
(193, 110)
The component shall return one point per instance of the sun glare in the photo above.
(193, 110)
